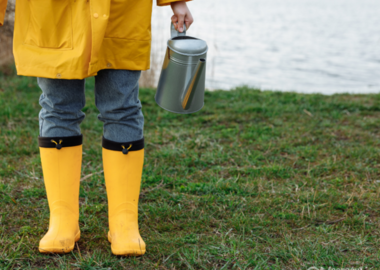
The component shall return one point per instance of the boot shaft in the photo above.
(61, 160)
(123, 164)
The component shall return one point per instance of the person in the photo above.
(62, 43)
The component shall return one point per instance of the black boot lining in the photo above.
(59, 142)
(123, 147)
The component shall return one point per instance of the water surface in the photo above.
(324, 46)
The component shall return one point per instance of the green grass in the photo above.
(255, 180)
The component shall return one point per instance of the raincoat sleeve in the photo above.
(165, 2)
(3, 7)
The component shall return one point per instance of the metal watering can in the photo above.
(182, 81)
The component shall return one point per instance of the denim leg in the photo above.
(117, 99)
(62, 102)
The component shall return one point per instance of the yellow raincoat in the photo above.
(74, 39)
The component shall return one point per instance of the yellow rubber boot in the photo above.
(123, 164)
(61, 160)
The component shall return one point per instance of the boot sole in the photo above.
(125, 252)
(56, 250)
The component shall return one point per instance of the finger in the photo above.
(174, 21)
(181, 20)
(189, 20)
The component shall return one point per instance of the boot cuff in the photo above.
(123, 147)
(59, 142)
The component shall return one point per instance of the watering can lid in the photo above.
(188, 45)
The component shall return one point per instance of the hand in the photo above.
(181, 15)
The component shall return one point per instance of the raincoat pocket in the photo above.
(50, 24)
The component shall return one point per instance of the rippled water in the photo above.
(324, 46)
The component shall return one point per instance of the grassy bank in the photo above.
(256, 180)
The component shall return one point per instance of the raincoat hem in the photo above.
(52, 73)
(162, 3)
(3, 7)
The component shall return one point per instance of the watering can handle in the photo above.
(176, 33)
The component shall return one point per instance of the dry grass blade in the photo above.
(89, 175)
(334, 221)
(142, 193)
(308, 113)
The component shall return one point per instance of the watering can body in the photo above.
(182, 81)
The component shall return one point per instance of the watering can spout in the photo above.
(192, 87)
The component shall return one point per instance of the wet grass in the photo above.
(256, 180)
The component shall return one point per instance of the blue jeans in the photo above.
(116, 97)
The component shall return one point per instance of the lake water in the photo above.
(309, 46)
